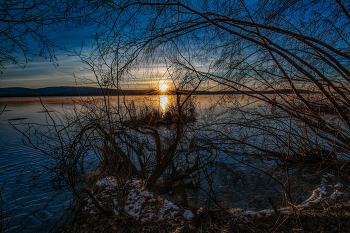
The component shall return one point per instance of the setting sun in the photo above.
(163, 87)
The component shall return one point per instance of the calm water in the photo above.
(31, 204)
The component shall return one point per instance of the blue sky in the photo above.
(41, 72)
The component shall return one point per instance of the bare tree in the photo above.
(292, 56)
(289, 59)
(123, 139)
(25, 27)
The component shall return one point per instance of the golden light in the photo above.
(163, 87)
(163, 101)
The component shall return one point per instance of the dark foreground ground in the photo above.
(331, 219)
(148, 212)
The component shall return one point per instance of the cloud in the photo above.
(42, 73)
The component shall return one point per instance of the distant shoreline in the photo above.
(9, 92)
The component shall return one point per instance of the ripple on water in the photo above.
(30, 202)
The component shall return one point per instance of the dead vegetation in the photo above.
(332, 219)
(141, 210)
(158, 118)
(252, 49)
(324, 218)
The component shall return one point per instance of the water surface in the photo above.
(32, 204)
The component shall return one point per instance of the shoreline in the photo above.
(93, 91)
(147, 212)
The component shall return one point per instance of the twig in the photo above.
(274, 207)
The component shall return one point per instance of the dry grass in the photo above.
(157, 118)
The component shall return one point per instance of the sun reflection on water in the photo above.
(163, 101)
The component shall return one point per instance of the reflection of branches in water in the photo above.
(113, 145)
(298, 84)
(286, 190)
(2, 110)
(219, 139)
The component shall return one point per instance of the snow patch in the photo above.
(188, 214)
(108, 181)
(143, 205)
(243, 214)
(266, 212)
(337, 194)
(317, 196)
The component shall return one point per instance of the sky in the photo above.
(42, 73)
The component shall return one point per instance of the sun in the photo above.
(163, 87)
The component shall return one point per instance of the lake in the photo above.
(32, 204)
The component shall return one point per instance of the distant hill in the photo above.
(93, 91)
(80, 91)
(64, 91)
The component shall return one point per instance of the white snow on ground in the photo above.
(243, 214)
(266, 212)
(328, 175)
(322, 193)
(336, 195)
(317, 196)
(188, 214)
(108, 181)
(144, 205)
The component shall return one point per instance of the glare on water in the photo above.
(163, 101)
